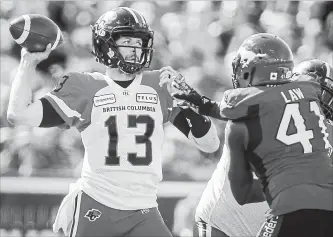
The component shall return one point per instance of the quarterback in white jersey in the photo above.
(219, 214)
(120, 115)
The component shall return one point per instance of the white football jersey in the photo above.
(122, 132)
(218, 207)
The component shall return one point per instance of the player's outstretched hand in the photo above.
(35, 57)
(168, 75)
(180, 91)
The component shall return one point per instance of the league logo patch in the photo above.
(93, 214)
(146, 98)
(104, 99)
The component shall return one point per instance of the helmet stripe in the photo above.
(328, 71)
(132, 13)
(143, 20)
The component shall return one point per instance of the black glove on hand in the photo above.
(193, 99)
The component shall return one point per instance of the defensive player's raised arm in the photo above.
(196, 127)
(244, 188)
(21, 110)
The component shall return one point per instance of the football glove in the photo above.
(188, 97)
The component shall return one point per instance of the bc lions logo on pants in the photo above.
(93, 214)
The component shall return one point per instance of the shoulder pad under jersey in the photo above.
(299, 78)
(72, 97)
(236, 102)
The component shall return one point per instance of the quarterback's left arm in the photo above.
(243, 186)
(197, 128)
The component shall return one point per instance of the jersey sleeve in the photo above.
(69, 99)
(234, 104)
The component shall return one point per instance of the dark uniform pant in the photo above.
(93, 219)
(301, 223)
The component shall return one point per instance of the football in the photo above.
(34, 32)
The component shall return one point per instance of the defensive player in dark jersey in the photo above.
(120, 116)
(275, 128)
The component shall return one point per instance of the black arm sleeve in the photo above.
(200, 124)
(50, 117)
(181, 123)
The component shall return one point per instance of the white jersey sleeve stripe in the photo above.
(65, 109)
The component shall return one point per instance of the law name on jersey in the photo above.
(292, 95)
(128, 107)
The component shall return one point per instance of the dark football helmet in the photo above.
(110, 27)
(262, 58)
(322, 72)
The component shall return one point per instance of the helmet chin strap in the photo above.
(128, 69)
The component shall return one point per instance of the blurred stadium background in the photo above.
(199, 38)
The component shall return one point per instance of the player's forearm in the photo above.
(21, 91)
(211, 109)
(200, 124)
(203, 132)
(255, 193)
(244, 188)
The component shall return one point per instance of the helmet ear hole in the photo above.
(246, 75)
(260, 52)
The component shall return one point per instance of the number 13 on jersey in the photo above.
(302, 135)
(133, 120)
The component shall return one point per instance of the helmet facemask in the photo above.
(326, 101)
(107, 52)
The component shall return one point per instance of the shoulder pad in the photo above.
(302, 77)
(151, 78)
(95, 75)
(71, 76)
(235, 96)
(236, 102)
(154, 74)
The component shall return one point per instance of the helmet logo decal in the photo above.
(249, 56)
(110, 16)
(273, 76)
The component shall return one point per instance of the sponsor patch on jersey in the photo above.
(93, 214)
(104, 99)
(271, 227)
(146, 98)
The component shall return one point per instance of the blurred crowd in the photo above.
(199, 38)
